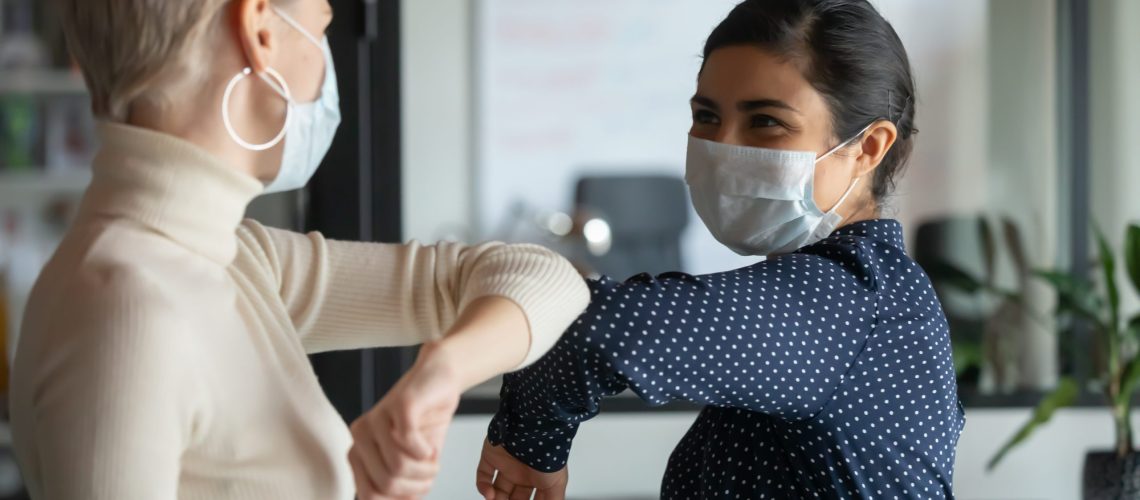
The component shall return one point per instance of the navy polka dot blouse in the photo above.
(825, 373)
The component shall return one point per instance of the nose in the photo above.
(727, 136)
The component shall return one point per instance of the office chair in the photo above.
(646, 216)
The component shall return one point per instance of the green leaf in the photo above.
(1063, 282)
(1131, 378)
(1132, 254)
(1112, 332)
(966, 355)
(1076, 297)
(944, 273)
(1064, 395)
(1132, 369)
(989, 250)
(1108, 267)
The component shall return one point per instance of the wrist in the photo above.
(440, 359)
(490, 338)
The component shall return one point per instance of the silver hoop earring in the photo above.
(280, 87)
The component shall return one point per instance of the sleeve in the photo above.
(113, 408)
(775, 338)
(348, 295)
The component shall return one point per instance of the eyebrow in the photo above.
(746, 106)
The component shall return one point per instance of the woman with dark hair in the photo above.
(825, 370)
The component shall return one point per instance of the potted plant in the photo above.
(1116, 345)
(990, 318)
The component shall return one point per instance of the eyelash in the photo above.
(767, 121)
(706, 117)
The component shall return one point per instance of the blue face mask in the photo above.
(309, 128)
(759, 201)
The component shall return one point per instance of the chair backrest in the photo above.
(646, 215)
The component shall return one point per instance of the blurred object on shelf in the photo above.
(40, 82)
(34, 131)
(525, 223)
(620, 225)
(20, 133)
(20, 46)
(58, 215)
(69, 139)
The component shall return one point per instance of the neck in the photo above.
(865, 210)
(171, 187)
(198, 120)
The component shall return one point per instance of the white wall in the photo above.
(436, 77)
(624, 455)
(1115, 129)
(1115, 103)
(947, 171)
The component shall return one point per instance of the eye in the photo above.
(765, 121)
(705, 117)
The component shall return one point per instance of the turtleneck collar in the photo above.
(170, 186)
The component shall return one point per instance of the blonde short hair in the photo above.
(131, 50)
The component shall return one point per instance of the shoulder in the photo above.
(116, 299)
(112, 284)
(872, 252)
(266, 254)
(106, 319)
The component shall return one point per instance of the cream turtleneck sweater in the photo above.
(163, 353)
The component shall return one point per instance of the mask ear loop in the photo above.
(843, 198)
(297, 26)
(845, 143)
(279, 86)
(855, 182)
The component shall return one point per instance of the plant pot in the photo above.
(1107, 477)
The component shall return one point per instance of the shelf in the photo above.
(57, 82)
(24, 187)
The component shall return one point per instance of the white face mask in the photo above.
(759, 201)
(309, 128)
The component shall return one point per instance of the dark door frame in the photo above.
(356, 194)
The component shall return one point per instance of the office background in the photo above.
(497, 119)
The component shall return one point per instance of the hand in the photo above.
(396, 445)
(515, 480)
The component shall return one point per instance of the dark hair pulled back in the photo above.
(849, 54)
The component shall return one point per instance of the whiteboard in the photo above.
(566, 88)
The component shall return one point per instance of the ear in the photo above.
(877, 141)
(251, 21)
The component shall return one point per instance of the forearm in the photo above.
(347, 295)
(542, 405)
(489, 338)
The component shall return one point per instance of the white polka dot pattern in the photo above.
(826, 373)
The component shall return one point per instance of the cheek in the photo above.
(828, 186)
(306, 73)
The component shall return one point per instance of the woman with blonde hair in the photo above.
(164, 348)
